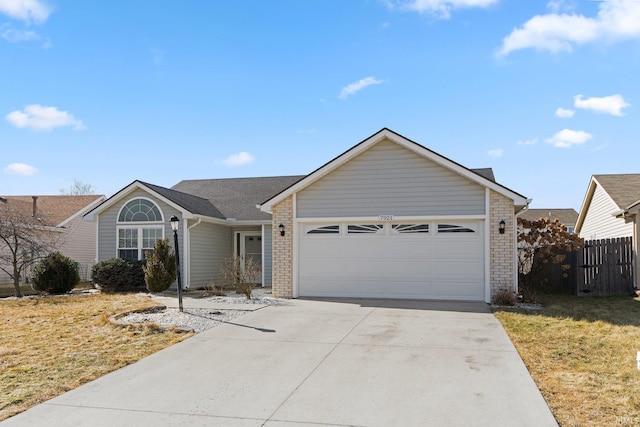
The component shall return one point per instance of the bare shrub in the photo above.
(242, 274)
(211, 289)
(505, 297)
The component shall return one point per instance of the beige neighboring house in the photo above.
(567, 216)
(63, 214)
(610, 209)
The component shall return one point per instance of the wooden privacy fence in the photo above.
(604, 267)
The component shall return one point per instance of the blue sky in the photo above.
(106, 92)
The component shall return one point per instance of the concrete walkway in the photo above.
(329, 363)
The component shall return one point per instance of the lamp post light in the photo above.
(175, 223)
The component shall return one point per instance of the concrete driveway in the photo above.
(329, 363)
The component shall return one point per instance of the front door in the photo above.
(250, 247)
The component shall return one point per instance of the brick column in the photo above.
(502, 246)
(282, 273)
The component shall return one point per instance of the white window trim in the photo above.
(139, 226)
(138, 222)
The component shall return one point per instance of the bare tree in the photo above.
(24, 239)
(78, 188)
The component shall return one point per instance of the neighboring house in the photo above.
(388, 218)
(567, 216)
(62, 216)
(610, 209)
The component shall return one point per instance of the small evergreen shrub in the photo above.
(118, 275)
(55, 274)
(160, 269)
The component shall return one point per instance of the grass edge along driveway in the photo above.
(50, 345)
(581, 352)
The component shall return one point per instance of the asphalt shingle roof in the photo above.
(566, 217)
(624, 189)
(193, 203)
(52, 210)
(237, 197)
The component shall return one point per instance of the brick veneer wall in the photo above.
(282, 272)
(502, 246)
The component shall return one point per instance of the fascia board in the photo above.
(585, 204)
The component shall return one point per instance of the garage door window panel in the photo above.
(324, 230)
(410, 228)
(454, 228)
(365, 229)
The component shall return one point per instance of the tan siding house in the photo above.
(63, 216)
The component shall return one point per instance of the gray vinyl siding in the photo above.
(599, 223)
(389, 179)
(107, 221)
(267, 251)
(209, 245)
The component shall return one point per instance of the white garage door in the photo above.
(426, 260)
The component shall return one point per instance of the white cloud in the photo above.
(608, 104)
(352, 88)
(616, 20)
(567, 138)
(496, 153)
(558, 5)
(38, 117)
(20, 169)
(17, 36)
(564, 113)
(29, 11)
(239, 159)
(528, 142)
(439, 8)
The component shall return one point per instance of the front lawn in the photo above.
(581, 352)
(49, 345)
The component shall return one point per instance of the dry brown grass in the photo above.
(49, 345)
(581, 352)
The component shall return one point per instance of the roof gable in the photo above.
(622, 189)
(480, 176)
(188, 204)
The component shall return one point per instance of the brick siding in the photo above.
(502, 250)
(282, 273)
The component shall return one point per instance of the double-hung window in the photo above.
(140, 224)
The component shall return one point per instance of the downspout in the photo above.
(187, 251)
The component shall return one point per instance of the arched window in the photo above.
(140, 210)
(140, 224)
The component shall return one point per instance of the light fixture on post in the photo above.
(281, 228)
(175, 223)
(502, 226)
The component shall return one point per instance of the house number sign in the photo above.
(385, 217)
